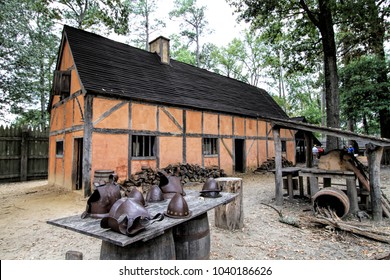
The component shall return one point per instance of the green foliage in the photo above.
(361, 93)
(193, 22)
(94, 14)
(27, 55)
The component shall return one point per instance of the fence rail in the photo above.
(23, 154)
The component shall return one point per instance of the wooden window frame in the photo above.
(59, 148)
(210, 146)
(143, 146)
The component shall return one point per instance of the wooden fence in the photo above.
(23, 154)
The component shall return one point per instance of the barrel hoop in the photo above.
(192, 237)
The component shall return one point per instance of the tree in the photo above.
(93, 14)
(27, 56)
(294, 17)
(142, 23)
(194, 22)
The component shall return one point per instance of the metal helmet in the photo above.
(178, 207)
(101, 200)
(210, 188)
(128, 216)
(170, 185)
(154, 194)
(137, 195)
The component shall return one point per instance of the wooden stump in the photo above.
(231, 215)
(161, 247)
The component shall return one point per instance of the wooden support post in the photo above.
(290, 186)
(278, 166)
(309, 157)
(301, 189)
(87, 146)
(24, 155)
(352, 196)
(374, 156)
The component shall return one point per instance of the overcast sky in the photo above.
(218, 14)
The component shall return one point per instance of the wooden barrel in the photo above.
(161, 247)
(102, 175)
(231, 215)
(332, 198)
(192, 239)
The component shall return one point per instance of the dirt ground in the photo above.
(26, 207)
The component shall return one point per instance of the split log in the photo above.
(231, 215)
(344, 226)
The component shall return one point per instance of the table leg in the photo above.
(301, 188)
(290, 186)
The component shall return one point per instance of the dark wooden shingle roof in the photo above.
(108, 67)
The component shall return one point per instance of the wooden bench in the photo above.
(157, 241)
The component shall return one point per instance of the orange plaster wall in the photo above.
(110, 152)
(166, 124)
(262, 151)
(262, 128)
(171, 150)
(194, 150)
(78, 110)
(143, 117)
(210, 123)
(239, 126)
(290, 151)
(51, 163)
(225, 125)
(69, 108)
(210, 161)
(57, 118)
(118, 119)
(136, 165)
(193, 122)
(225, 159)
(251, 158)
(68, 156)
(251, 128)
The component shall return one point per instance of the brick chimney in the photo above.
(160, 45)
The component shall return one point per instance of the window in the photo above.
(61, 85)
(210, 146)
(143, 146)
(59, 148)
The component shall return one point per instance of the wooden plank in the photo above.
(91, 227)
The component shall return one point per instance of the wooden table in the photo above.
(157, 240)
(314, 173)
(290, 173)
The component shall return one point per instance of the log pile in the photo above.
(148, 177)
(269, 164)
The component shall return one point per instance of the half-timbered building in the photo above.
(117, 107)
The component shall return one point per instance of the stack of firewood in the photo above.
(269, 164)
(187, 173)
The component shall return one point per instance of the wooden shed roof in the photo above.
(107, 67)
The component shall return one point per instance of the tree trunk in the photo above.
(332, 97)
